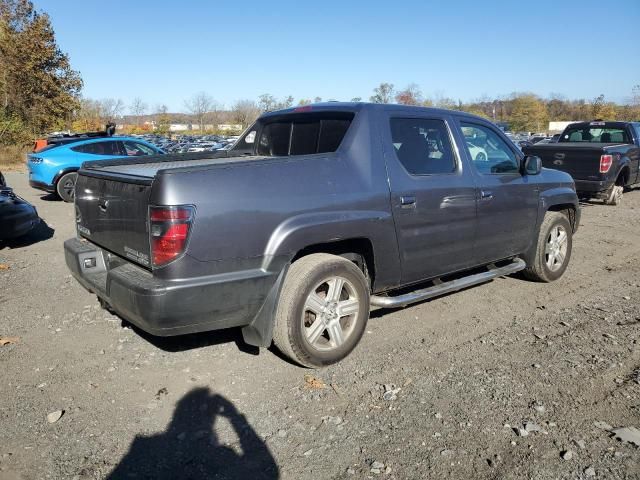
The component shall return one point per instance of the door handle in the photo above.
(407, 201)
(486, 195)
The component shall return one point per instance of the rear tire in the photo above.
(553, 249)
(322, 311)
(66, 187)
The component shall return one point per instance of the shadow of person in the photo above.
(190, 449)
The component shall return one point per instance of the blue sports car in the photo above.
(53, 168)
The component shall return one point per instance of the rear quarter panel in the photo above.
(259, 214)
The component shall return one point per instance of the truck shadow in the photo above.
(39, 233)
(191, 446)
(193, 341)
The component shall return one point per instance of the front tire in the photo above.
(322, 311)
(553, 249)
(66, 186)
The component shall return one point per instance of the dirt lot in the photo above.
(463, 375)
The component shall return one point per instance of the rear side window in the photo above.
(99, 148)
(303, 134)
(135, 149)
(595, 134)
(422, 146)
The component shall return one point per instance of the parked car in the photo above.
(54, 167)
(477, 153)
(17, 216)
(316, 214)
(602, 157)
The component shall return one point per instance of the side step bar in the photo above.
(441, 288)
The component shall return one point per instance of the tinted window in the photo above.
(99, 148)
(303, 134)
(488, 152)
(422, 146)
(333, 131)
(595, 134)
(135, 149)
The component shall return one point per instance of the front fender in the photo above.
(302, 231)
(562, 196)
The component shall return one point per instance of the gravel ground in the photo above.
(510, 379)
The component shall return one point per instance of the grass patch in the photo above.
(12, 158)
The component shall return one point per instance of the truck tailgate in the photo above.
(581, 161)
(113, 214)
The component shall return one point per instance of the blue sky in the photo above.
(165, 51)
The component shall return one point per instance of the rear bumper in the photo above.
(42, 186)
(17, 219)
(168, 307)
(592, 188)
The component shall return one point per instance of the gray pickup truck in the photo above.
(315, 215)
(602, 157)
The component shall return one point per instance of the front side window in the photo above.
(489, 153)
(422, 146)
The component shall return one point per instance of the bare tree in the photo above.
(267, 102)
(138, 108)
(383, 93)
(245, 112)
(317, 100)
(111, 108)
(201, 105)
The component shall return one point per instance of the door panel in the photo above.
(433, 198)
(507, 200)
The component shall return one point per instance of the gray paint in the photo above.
(254, 214)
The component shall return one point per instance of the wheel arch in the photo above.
(62, 172)
(359, 250)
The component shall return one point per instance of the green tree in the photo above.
(383, 93)
(38, 87)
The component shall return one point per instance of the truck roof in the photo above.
(359, 106)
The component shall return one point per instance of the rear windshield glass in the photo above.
(595, 134)
(303, 134)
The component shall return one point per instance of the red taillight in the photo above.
(605, 163)
(169, 229)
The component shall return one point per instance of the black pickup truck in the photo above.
(316, 214)
(602, 157)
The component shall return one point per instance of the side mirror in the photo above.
(532, 165)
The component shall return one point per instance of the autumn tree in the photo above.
(38, 88)
(602, 109)
(528, 113)
(162, 119)
(88, 117)
(411, 95)
(383, 93)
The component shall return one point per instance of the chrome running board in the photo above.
(441, 288)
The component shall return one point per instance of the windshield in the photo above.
(595, 134)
